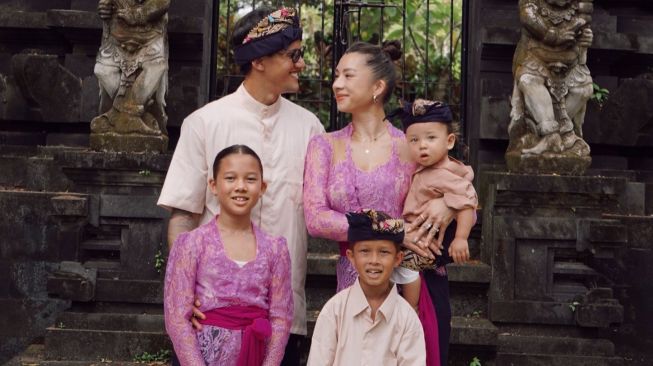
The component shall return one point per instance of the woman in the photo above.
(367, 163)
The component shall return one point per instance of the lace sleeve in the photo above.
(281, 304)
(321, 220)
(179, 293)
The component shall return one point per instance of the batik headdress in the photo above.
(272, 34)
(422, 110)
(374, 225)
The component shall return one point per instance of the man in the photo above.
(267, 47)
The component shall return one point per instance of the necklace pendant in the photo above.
(367, 151)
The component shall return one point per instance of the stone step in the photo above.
(62, 344)
(521, 359)
(116, 290)
(102, 245)
(549, 345)
(34, 355)
(573, 269)
(111, 321)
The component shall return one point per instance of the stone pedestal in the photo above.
(547, 163)
(545, 237)
(113, 142)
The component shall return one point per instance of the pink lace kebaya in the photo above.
(334, 185)
(199, 267)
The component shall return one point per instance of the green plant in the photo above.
(475, 362)
(600, 95)
(159, 261)
(61, 325)
(162, 356)
(145, 173)
(573, 306)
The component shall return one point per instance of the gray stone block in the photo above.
(556, 360)
(140, 244)
(131, 206)
(631, 108)
(80, 65)
(134, 291)
(11, 17)
(91, 345)
(14, 105)
(90, 99)
(183, 94)
(64, 18)
(67, 139)
(473, 331)
(495, 116)
(639, 24)
(52, 91)
(189, 8)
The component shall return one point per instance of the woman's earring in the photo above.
(374, 98)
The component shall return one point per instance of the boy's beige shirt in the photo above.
(346, 335)
(279, 134)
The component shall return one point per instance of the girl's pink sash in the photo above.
(255, 325)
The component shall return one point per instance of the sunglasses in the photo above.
(295, 54)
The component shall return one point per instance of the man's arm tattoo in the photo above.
(180, 222)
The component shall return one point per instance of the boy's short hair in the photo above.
(374, 225)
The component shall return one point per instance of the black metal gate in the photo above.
(430, 32)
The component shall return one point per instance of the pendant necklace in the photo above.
(373, 140)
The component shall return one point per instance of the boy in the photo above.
(369, 323)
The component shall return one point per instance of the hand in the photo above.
(434, 219)
(418, 246)
(459, 250)
(105, 9)
(197, 314)
(586, 38)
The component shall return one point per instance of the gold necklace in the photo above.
(372, 140)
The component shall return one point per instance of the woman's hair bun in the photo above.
(392, 49)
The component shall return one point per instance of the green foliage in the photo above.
(159, 261)
(573, 306)
(475, 362)
(145, 173)
(162, 355)
(600, 94)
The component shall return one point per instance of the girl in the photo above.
(240, 275)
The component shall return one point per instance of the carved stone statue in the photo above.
(132, 68)
(551, 89)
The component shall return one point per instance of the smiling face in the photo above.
(429, 142)
(237, 184)
(354, 85)
(281, 71)
(374, 261)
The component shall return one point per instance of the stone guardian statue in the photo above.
(552, 85)
(132, 69)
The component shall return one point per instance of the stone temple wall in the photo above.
(47, 52)
(523, 235)
(96, 209)
(620, 59)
